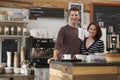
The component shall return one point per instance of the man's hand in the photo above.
(51, 59)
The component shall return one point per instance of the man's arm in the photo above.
(55, 56)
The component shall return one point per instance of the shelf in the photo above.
(13, 23)
(24, 22)
(12, 36)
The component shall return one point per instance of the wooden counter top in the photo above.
(93, 63)
(67, 70)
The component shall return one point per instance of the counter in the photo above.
(12, 76)
(75, 70)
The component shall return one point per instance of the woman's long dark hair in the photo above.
(98, 33)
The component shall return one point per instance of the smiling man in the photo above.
(67, 40)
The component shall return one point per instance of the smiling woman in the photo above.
(92, 44)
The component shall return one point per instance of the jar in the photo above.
(1, 30)
(27, 71)
(10, 15)
(0, 16)
(6, 30)
(24, 31)
(24, 65)
(19, 30)
(12, 31)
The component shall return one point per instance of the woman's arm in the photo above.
(101, 46)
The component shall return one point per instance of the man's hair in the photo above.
(73, 9)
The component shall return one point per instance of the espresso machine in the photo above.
(38, 50)
(113, 42)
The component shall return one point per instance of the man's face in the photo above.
(74, 17)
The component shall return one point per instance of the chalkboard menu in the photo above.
(106, 15)
(35, 12)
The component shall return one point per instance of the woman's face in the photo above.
(74, 17)
(92, 31)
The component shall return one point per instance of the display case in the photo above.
(11, 42)
(13, 31)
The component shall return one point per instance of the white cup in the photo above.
(66, 56)
(17, 70)
(27, 71)
(89, 58)
(80, 56)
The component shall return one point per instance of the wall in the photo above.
(50, 3)
(48, 24)
(54, 24)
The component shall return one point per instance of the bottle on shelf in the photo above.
(9, 57)
(15, 59)
(22, 53)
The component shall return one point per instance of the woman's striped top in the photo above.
(97, 46)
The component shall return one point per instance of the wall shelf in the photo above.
(13, 23)
(12, 36)
(22, 22)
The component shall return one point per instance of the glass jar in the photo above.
(19, 30)
(24, 31)
(6, 30)
(1, 30)
(12, 30)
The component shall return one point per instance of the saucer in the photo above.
(71, 60)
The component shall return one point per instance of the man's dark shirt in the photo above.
(67, 41)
